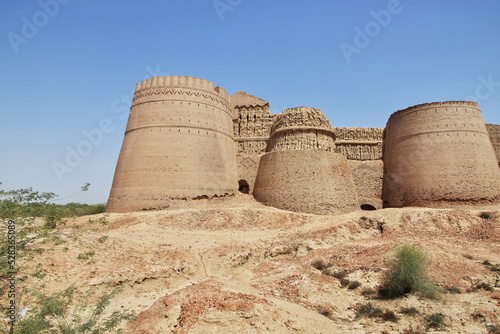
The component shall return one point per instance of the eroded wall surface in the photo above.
(438, 155)
(301, 171)
(317, 182)
(494, 132)
(178, 145)
(368, 178)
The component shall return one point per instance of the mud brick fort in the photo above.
(188, 140)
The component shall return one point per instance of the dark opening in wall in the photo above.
(243, 187)
(368, 207)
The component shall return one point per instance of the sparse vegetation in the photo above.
(318, 264)
(435, 320)
(493, 328)
(478, 316)
(483, 286)
(469, 256)
(51, 314)
(353, 285)
(344, 282)
(454, 290)
(368, 310)
(491, 266)
(102, 239)
(368, 292)
(340, 274)
(411, 311)
(406, 274)
(389, 315)
(85, 256)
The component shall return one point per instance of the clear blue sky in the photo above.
(68, 67)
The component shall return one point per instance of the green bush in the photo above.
(51, 314)
(435, 320)
(369, 310)
(412, 311)
(406, 274)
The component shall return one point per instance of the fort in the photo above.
(188, 140)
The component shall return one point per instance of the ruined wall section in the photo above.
(494, 132)
(252, 122)
(362, 144)
(178, 145)
(439, 155)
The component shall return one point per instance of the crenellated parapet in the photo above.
(181, 88)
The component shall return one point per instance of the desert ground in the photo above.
(236, 266)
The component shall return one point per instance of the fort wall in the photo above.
(494, 132)
(252, 122)
(301, 172)
(362, 144)
(437, 155)
(368, 177)
(178, 145)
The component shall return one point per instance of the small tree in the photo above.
(406, 274)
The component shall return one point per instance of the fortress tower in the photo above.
(178, 145)
(494, 131)
(301, 172)
(437, 155)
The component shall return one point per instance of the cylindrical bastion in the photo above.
(437, 155)
(301, 172)
(178, 145)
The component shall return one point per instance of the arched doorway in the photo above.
(243, 187)
(368, 207)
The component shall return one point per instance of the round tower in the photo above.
(178, 145)
(301, 172)
(439, 155)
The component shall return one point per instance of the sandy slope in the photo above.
(236, 266)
